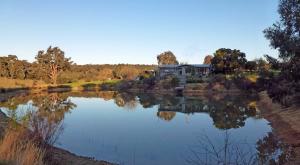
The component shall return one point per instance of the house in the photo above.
(184, 71)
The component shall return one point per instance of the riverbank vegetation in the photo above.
(231, 72)
(17, 147)
(52, 67)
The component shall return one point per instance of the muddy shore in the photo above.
(284, 121)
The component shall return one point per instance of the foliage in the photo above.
(174, 82)
(194, 80)
(228, 61)
(285, 37)
(170, 82)
(165, 115)
(18, 147)
(13, 68)
(262, 64)
(166, 58)
(207, 59)
(251, 65)
(275, 64)
(52, 62)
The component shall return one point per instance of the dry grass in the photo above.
(15, 83)
(17, 148)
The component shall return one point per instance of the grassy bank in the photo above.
(6, 83)
(10, 85)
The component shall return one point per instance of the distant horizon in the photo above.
(135, 32)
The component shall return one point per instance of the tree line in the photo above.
(52, 66)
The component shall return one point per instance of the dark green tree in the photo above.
(52, 62)
(251, 65)
(285, 37)
(228, 61)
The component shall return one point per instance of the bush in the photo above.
(170, 82)
(194, 80)
(174, 82)
(17, 147)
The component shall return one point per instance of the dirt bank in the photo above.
(58, 156)
(285, 122)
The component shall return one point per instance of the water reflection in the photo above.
(227, 113)
(268, 150)
(43, 114)
(271, 150)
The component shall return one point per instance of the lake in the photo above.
(131, 128)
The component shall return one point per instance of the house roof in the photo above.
(180, 65)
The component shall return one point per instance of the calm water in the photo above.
(150, 129)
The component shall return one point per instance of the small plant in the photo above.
(18, 148)
(174, 82)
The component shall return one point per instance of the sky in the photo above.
(135, 31)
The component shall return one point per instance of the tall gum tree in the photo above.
(52, 62)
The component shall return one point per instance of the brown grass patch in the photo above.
(17, 148)
(15, 83)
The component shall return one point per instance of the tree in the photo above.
(166, 58)
(207, 59)
(285, 37)
(52, 62)
(251, 65)
(12, 67)
(275, 64)
(227, 61)
(285, 34)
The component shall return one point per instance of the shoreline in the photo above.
(284, 121)
(59, 156)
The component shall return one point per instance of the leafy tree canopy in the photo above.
(285, 37)
(166, 58)
(52, 62)
(227, 60)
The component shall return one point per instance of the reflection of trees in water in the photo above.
(126, 100)
(167, 116)
(208, 151)
(228, 116)
(53, 106)
(43, 116)
(225, 110)
(46, 121)
(272, 151)
(231, 112)
(147, 100)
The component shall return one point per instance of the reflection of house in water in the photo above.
(183, 105)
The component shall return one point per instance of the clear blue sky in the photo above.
(135, 31)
